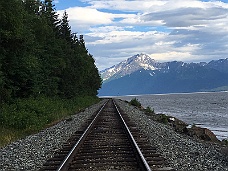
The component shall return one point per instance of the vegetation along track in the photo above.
(108, 143)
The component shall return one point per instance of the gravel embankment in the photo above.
(182, 152)
(32, 152)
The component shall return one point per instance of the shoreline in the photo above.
(179, 125)
(161, 94)
(215, 130)
(207, 110)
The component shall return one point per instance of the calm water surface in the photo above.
(208, 110)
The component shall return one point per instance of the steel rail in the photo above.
(63, 164)
(146, 165)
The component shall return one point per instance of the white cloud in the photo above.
(114, 34)
(83, 18)
(167, 29)
(184, 53)
(88, 15)
(122, 5)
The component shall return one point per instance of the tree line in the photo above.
(39, 54)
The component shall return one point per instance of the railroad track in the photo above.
(110, 142)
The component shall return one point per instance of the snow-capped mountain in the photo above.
(140, 74)
(129, 66)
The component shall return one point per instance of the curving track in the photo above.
(107, 144)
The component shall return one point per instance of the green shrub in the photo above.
(135, 102)
(149, 111)
(27, 116)
(164, 119)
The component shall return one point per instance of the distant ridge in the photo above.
(140, 74)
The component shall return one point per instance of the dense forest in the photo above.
(39, 54)
(46, 72)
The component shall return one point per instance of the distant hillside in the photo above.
(142, 75)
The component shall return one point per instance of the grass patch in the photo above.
(8, 135)
(27, 116)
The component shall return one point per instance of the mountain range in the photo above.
(140, 74)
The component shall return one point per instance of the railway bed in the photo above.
(108, 141)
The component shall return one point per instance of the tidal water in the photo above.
(207, 110)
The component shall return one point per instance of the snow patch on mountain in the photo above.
(135, 63)
(145, 62)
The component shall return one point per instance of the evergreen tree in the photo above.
(92, 79)
(51, 51)
(40, 55)
(16, 41)
(50, 14)
(32, 6)
(70, 80)
(65, 30)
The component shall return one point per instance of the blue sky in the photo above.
(114, 30)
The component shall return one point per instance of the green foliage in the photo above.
(149, 111)
(135, 102)
(26, 116)
(9, 135)
(34, 113)
(65, 30)
(40, 55)
(164, 119)
(46, 72)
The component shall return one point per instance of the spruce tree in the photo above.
(48, 11)
(32, 6)
(65, 29)
(16, 42)
(40, 55)
(51, 52)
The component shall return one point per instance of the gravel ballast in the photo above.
(183, 153)
(33, 151)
